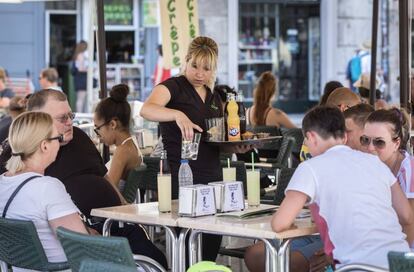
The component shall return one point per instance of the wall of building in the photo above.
(22, 38)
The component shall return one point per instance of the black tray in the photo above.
(258, 141)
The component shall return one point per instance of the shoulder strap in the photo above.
(15, 193)
(267, 113)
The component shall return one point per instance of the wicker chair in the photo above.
(99, 266)
(79, 247)
(20, 247)
(401, 261)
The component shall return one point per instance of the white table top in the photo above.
(144, 213)
(258, 227)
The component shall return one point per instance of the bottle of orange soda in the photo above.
(233, 120)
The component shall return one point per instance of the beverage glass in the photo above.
(253, 187)
(189, 149)
(215, 129)
(229, 174)
(164, 192)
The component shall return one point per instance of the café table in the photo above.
(277, 244)
(148, 214)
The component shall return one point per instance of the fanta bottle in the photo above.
(233, 120)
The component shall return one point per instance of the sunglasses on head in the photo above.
(376, 142)
(59, 138)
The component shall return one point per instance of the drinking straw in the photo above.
(228, 162)
(161, 167)
(252, 161)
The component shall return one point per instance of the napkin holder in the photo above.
(229, 195)
(196, 200)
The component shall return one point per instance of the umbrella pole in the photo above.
(374, 39)
(403, 10)
(101, 44)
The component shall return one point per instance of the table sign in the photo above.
(196, 200)
(229, 195)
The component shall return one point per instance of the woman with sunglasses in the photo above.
(386, 133)
(34, 142)
(112, 118)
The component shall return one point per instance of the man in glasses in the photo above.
(80, 168)
(357, 186)
(354, 122)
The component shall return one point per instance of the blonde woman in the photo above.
(262, 113)
(35, 142)
(181, 105)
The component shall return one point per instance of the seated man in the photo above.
(355, 185)
(48, 79)
(354, 122)
(80, 167)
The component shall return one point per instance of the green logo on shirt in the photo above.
(214, 107)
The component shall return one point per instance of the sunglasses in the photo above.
(59, 138)
(96, 129)
(376, 142)
(64, 118)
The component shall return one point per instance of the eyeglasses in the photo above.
(59, 138)
(376, 142)
(64, 118)
(96, 129)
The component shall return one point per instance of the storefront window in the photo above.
(282, 38)
(61, 5)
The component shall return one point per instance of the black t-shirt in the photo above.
(4, 127)
(186, 99)
(77, 157)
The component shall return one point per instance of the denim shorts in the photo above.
(307, 245)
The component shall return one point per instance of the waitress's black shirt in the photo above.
(186, 99)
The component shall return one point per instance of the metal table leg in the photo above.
(271, 256)
(106, 229)
(283, 256)
(172, 236)
(181, 249)
(193, 247)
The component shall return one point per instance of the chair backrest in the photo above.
(295, 133)
(401, 261)
(240, 171)
(150, 177)
(79, 247)
(285, 151)
(100, 266)
(285, 175)
(20, 246)
(135, 178)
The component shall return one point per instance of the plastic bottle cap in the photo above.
(184, 161)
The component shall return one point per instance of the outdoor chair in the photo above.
(136, 177)
(149, 182)
(295, 133)
(285, 175)
(79, 247)
(401, 261)
(360, 267)
(99, 266)
(20, 246)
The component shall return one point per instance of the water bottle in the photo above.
(185, 175)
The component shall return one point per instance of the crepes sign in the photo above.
(179, 26)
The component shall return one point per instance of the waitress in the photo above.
(181, 104)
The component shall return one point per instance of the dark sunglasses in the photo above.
(96, 129)
(59, 138)
(376, 142)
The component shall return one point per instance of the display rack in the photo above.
(130, 74)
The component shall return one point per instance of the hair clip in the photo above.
(17, 154)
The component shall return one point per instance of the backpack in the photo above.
(354, 67)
